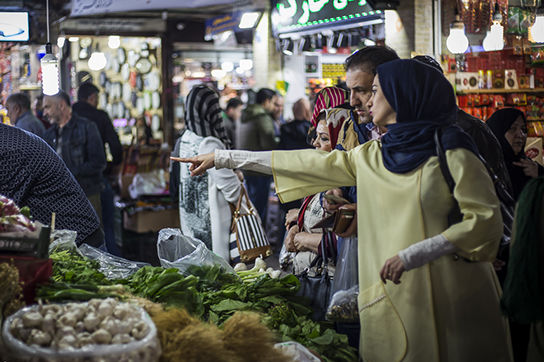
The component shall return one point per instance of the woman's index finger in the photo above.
(181, 159)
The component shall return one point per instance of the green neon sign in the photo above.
(288, 15)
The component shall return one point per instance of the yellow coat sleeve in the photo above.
(306, 172)
(479, 233)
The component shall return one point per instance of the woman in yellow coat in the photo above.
(442, 303)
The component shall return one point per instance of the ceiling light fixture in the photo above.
(246, 64)
(249, 20)
(537, 29)
(114, 41)
(97, 61)
(494, 40)
(288, 47)
(49, 64)
(227, 66)
(457, 41)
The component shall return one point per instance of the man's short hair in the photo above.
(86, 90)
(234, 103)
(61, 95)
(264, 94)
(19, 99)
(369, 58)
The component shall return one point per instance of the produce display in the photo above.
(104, 328)
(208, 294)
(243, 338)
(13, 219)
(10, 297)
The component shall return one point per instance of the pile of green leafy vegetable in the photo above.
(207, 292)
(76, 277)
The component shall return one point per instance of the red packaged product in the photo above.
(463, 101)
(490, 111)
(498, 101)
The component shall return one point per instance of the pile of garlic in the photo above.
(80, 326)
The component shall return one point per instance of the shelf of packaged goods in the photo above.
(500, 90)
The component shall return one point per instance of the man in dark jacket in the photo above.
(231, 117)
(293, 134)
(18, 106)
(33, 175)
(77, 141)
(257, 134)
(86, 107)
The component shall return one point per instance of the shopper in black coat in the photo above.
(510, 128)
(87, 96)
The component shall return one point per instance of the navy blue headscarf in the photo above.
(424, 101)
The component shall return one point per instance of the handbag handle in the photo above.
(320, 260)
(442, 160)
(455, 214)
(243, 192)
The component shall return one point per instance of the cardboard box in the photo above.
(151, 221)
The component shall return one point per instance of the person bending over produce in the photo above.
(33, 175)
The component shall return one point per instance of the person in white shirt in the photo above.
(204, 201)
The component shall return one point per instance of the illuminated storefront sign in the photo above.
(222, 23)
(298, 15)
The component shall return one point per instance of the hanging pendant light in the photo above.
(50, 65)
(114, 41)
(457, 41)
(494, 40)
(98, 60)
(537, 29)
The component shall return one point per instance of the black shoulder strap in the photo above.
(442, 160)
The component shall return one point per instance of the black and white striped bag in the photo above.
(247, 236)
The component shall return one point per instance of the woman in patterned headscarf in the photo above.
(203, 201)
(302, 237)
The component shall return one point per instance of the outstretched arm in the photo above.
(232, 159)
(199, 164)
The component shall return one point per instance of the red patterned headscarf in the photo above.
(328, 97)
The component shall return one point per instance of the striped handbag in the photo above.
(247, 236)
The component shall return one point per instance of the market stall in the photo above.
(95, 306)
(500, 63)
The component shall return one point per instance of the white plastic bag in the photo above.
(63, 240)
(176, 250)
(296, 351)
(147, 349)
(286, 259)
(345, 287)
(148, 183)
(113, 267)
